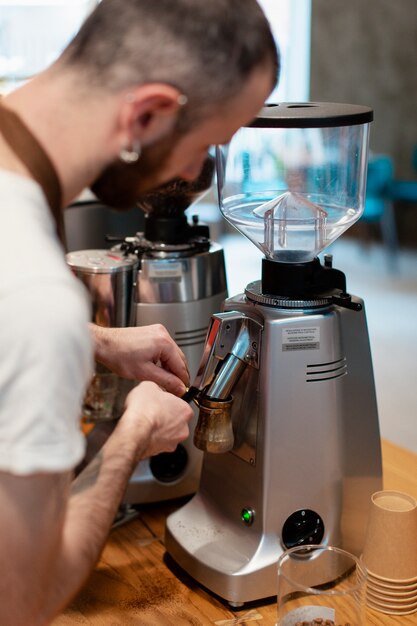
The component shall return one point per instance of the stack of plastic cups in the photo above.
(390, 553)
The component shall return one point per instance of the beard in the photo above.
(122, 185)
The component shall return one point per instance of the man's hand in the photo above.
(143, 353)
(160, 416)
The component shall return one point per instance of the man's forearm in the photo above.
(54, 532)
(100, 340)
(95, 496)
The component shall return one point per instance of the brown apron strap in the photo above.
(30, 152)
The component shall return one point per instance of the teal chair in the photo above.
(405, 190)
(379, 206)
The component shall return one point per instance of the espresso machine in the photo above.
(170, 273)
(288, 416)
(180, 283)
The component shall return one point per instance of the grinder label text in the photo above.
(304, 338)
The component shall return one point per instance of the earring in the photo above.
(182, 100)
(132, 155)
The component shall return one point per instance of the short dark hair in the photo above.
(205, 48)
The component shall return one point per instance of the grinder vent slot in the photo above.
(326, 371)
(190, 337)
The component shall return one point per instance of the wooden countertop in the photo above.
(135, 584)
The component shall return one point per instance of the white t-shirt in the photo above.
(46, 349)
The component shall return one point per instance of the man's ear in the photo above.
(149, 112)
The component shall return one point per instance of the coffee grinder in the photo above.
(180, 283)
(288, 415)
(170, 273)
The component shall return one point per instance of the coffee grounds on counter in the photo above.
(318, 621)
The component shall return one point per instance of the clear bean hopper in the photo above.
(294, 180)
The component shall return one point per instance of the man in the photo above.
(135, 100)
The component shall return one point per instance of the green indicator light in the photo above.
(248, 516)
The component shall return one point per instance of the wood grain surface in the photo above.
(137, 584)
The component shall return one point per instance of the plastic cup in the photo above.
(100, 398)
(320, 583)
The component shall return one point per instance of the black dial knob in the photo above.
(302, 528)
(168, 466)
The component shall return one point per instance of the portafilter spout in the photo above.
(232, 343)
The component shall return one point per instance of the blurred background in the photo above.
(356, 52)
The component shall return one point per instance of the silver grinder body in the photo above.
(181, 292)
(306, 453)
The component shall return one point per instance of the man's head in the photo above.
(191, 71)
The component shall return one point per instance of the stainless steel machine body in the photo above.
(180, 291)
(306, 455)
(172, 274)
(109, 278)
(289, 361)
(179, 286)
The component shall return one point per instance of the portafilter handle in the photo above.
(190, 394)
(232, 343)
